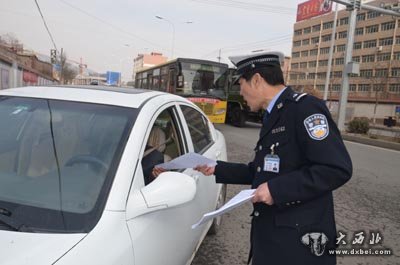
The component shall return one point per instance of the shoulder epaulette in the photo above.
(299, 96)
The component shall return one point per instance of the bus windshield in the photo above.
(203, 80)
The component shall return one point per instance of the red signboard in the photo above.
(204, 100)
(29, 77)
(313, 8)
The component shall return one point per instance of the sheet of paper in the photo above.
(189, 160)
(240, 198)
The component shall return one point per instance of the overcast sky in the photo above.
(107, 35)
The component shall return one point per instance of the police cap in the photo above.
(246, 63)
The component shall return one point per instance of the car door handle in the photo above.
(218, 154)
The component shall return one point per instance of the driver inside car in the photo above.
(154, 155)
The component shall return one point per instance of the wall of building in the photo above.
(367, 109)
(4, 75)
(23, 70)
(376, 48)
(143, 61)
(359, 109)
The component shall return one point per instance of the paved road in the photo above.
(369, 202)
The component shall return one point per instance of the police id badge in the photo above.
(271, 163)
(317, 126)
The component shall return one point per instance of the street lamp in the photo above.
(260, 50)
(173, 34)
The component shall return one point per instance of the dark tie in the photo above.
(265, 117)
(264, 124)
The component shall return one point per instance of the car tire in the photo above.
(216, 224)
(238, 118)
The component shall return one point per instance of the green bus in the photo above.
(202, 82)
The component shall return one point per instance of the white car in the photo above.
(76, 184)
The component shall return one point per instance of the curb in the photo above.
(369, 141)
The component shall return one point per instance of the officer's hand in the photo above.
(206, 170)
(157, 171)
(262, 194)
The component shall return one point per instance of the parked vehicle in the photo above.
(238, 112)
(72, 187)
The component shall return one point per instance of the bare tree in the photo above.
(68, 73)
(9, 38)
(12, 41)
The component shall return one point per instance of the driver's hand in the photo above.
(157, 171)
(206, 170)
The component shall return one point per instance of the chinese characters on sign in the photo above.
(313, 8)
(359, 238)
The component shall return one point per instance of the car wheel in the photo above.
(216, 224)
(238, 117)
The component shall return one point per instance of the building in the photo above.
(143, 61)
(18, 68)
(375, 92)
(286, 68)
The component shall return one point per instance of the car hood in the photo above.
(35, 248)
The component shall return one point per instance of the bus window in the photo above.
(156, 82)
(138, 83)
(149, 81)
(163, 83)
(171, 81)
(144, 83)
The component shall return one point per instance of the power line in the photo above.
(45, 24)
(259, 5)
(263, 42)
(107, 23)
(255, 5)
(111, 25)
(251, 45)
(249, 6)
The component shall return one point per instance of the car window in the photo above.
(198, 128)
(162, 145)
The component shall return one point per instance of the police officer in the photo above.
(299, 160)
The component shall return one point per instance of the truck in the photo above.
(238, 112)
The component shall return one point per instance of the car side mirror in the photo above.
(169, 189)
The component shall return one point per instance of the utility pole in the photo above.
(219, 56)
(318, 53)
(62, 64)
(349, 67)
(344, 92)
(328, 73)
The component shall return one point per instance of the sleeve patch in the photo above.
(317, 126)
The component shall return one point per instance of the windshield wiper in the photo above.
(13, 223)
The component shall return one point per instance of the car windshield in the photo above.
(58, 160)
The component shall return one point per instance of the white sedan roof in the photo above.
(126, 97)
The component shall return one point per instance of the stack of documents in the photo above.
(192, 160)
(241, 198)
(189, 160)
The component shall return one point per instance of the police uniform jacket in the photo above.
(313, 163)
